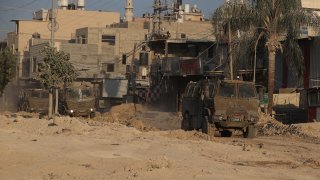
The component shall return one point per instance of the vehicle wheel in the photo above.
(250, 132)
(92, 115)
(226, 133)
(207, 127)
(185, 124)
(24, 107)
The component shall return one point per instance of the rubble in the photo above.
(269, 126)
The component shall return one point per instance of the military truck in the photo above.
(34, 100)
(77, 101)
(220, 106)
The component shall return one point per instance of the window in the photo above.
(110, 67)
(111, 40)
(246, 91)
(34, 65)
(124, 59)
(144, 59)
(83, 39)
(314, 98)
(227, 90)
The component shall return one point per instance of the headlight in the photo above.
(91, 109)
(71, 111)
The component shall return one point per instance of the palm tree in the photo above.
(276, 23)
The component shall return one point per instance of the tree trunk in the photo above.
(57, 102)
(50, 104)
(271, 75)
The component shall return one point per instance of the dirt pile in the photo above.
(30, 123)
(126, 114)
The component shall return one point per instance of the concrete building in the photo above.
(99, 51)
(68, 20)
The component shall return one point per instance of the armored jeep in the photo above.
(34, 100)
(77, 101)
(220, 106)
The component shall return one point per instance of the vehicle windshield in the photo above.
(79, 93)
(35, 94)
(189, 89)
(246, 91)
(227, 90)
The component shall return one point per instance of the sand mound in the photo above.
(126, 114)
(311, 129)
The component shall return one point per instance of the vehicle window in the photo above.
(246, 91)
(211, 91)
(186, 91)
(190, 90)
(86, 93)
(196, 92)
(45, 95)
(35, 94)
(227, 90)
(72, 94)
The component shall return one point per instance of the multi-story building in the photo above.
(69, 17)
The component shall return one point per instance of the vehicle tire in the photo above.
(25, 107)
(92, 115)
(207, 127)
(185, 123)
(226, 133)
(250, 132)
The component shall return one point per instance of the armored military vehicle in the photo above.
(77, 101)
(220, 106)
(34, 100)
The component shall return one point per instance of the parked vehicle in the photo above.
(222, 106)
(34, 100)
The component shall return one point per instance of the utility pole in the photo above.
(52, 46)
(230, 50)
(53, 21)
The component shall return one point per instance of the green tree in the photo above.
(7, 68)
(55, 72)
(276, 24)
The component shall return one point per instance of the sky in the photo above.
(23, 9)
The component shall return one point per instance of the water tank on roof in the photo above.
(81, 3)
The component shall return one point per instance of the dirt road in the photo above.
(100, 149)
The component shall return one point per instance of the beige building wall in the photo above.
(89, 54)
(68, 21)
